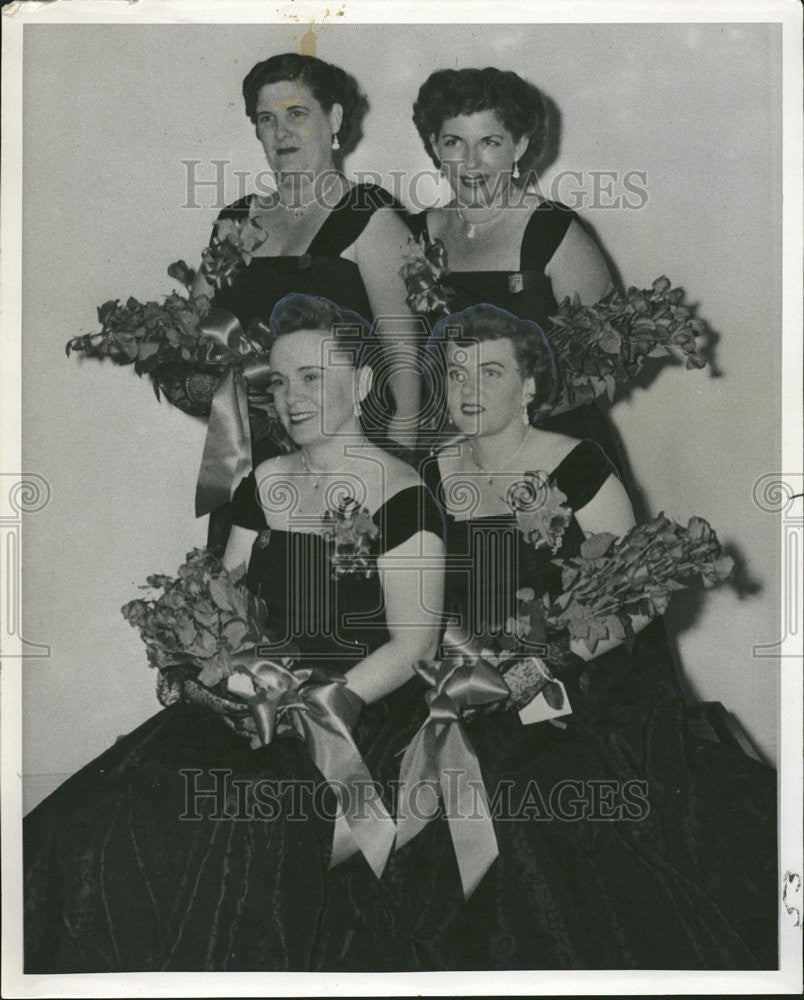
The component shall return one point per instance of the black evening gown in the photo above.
(320, 271)
(673, 868)
(527, 293)
(122, 874)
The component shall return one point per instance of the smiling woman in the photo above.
(132, 864)
(503, 243)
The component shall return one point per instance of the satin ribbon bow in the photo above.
(441, 751)
(319, 705)
(227, 449)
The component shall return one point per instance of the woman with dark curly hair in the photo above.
(484, 129)
(318, 233)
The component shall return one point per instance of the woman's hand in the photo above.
(412, 578)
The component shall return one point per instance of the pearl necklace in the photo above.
(472, 227)
(504, 466)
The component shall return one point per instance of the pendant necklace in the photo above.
(505, 466)
(318, 476)
(472, 227)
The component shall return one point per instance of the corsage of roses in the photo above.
(206, 636)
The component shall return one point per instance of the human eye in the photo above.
(264, 117)
(491, 141)
(312, 376)
(276, 381)
(298, 113)
(449, 141)
(492, 373)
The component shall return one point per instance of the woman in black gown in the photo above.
(505, 244)
(623, 842)
(319, 233)
(160, 855)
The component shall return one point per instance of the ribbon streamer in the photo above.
(441, 749)
(227, 449)
(322, 709)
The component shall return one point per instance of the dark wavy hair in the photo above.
(448, 93)
(329, 85)
(533, 353)
(311, 312)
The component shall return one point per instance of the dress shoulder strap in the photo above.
(245, 506)
(543, 234)
(582, 472)
(349, 218)
(408, 512)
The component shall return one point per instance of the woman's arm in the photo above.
(238, 548)
(412, 577)
(608, 510)
(380, 250)
(579, 268)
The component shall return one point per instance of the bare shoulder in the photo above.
(398, 475)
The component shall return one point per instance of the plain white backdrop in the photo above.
(111, 113)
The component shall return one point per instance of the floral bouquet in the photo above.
(182, 343)
(610, 582)
(596, 347)
(198, 630)
(205, 635)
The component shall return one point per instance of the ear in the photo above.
(521, 146)
(365, 380)
(336, 118)
(528, 390)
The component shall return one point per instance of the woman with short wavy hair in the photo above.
(504, 243)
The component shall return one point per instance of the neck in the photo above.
(490, 450)
(300, 188)
(329, 455)
(479, 207)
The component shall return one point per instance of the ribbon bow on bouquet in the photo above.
(441, 751)
(227, 449)
(322, 709)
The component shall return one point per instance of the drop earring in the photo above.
(515, 171)
(526, 415)
(335, 142)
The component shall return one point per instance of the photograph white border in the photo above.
(788, 978)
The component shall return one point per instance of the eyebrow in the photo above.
(490, 135)
(282, 107)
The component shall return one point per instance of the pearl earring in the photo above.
(335, 142)
(515, 171)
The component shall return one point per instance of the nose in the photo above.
(472, 158)
(469, 389)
